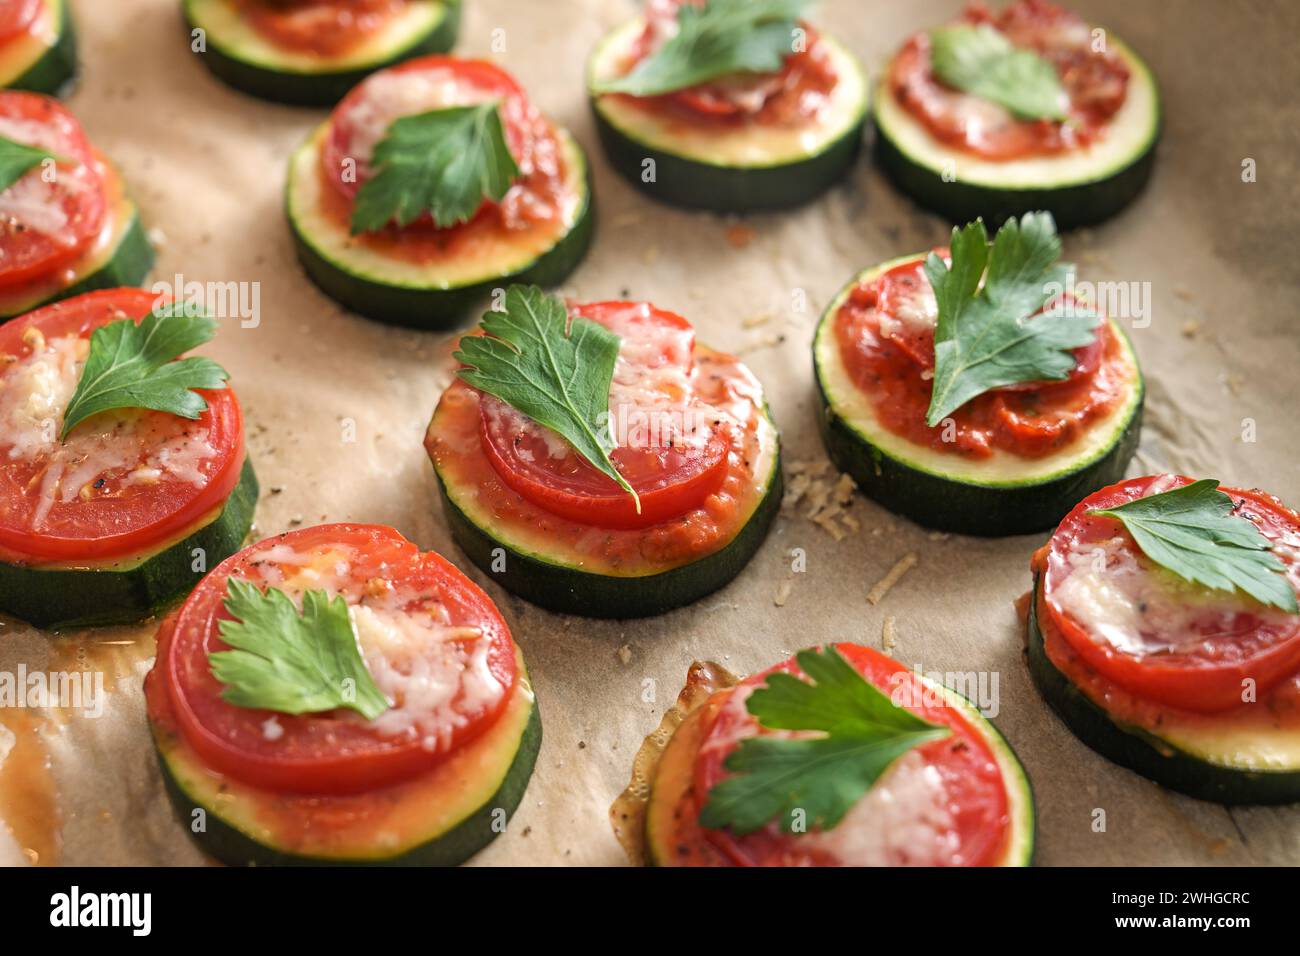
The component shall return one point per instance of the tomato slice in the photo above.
(123, 481)
(327, 27)
(45, 224)
(969, 822)
(460, 638)
(671, 447)
(362, 118)
(16, 16)
(1154, 635)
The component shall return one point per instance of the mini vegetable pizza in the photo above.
(69, 226)
(335, 695)
(730, 105)
(1031, 108)
(595, 460)
(839, 756)
(971, 390)
(311, 52)
(123, 473)
(1163, 629)
(38, 50)
(431, 184)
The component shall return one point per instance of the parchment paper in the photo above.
(207, 167)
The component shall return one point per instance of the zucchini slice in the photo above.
(62, 596)
(428, 297)
(1078, 188)
(242, 58)
(45, 59)
(440, 819)
(120, 257)
(736, 170)
(1003, 495)
(1226, 764)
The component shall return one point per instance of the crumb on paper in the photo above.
(939, 536)
(739, 236)
(651, 255)
(1190, 328)
(765, 342)
(783, 592)
(885, 584)
(756, 320)
(888, 636)
(1184, 293)
(625, 654)
(825, 504)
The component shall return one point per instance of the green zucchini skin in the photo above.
(1141, 751)
(695, 185)
(1084, 204)
(55, 599)
(440, 309)
(959, 506)
(54, 72)
(317, 89)
(128, 266)
(569, 591)
(235, 848)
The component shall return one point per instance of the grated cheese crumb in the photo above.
(888, 641)
(883, 586)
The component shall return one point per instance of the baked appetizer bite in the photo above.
(68, 226)
(432, 184)
(123, 474)
(311, 52)
(971, 390)
(729, 105)
(38, 51)
(996, 114)
(596, 461)
(335, 695)
(1163, 630)
(839, 756)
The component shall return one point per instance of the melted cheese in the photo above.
(390, 95)
(139, 449)
(432, 671)
(903, 820)
(35, 201)
(1122, 600)
(911, 313)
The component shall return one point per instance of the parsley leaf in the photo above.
(444, 162)
(822, 776)
(1194, 533)
(555, 370)
(16, 159)
(717, 39)
(131, 366)
(982, 61)
(989, 337)
(290, 662)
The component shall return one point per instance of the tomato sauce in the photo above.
(329, 28)
(454, 442)
(885, 332)
(1188, 650)
(1095, 81)
(792, 95)
(539, 198)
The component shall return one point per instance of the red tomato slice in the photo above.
(671, 477)
(326, 27)
(16, 16)
(979, 821)
(114, 510)
(1199, 660)
(417, 86)
(46, 224)
(337, 752)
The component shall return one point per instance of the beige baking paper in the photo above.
(1215, 255)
